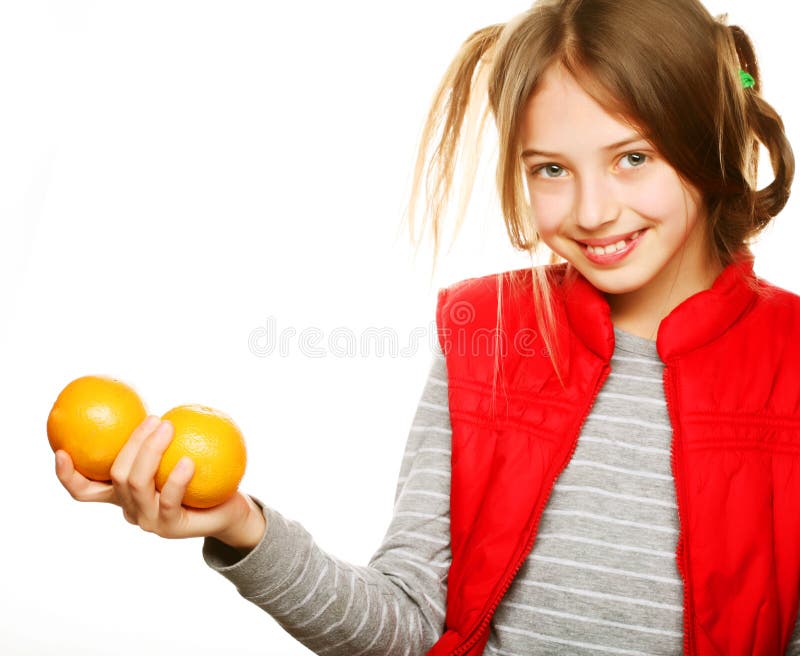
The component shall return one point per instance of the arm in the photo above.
(793, 648)
(395, 604)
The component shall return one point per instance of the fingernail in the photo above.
(161, 433)
(184, 465)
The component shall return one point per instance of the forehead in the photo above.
(560, 114)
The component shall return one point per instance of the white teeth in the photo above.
(613, 248)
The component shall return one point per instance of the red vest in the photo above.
(732, 385)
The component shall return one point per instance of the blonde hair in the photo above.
(665, 66)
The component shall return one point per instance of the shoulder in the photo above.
(483, 290)
(773, 318)
(775, 299)
(472, 302)
(499, 306)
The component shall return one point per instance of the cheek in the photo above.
(658, 197)
(550, 208)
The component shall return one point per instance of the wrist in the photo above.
(245, 535)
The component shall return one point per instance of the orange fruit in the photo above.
(91, 419)
(216, 446)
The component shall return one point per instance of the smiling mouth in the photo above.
(619, 245)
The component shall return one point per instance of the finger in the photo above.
(121, 467)
(130, 449)
(80, 487)
(128, 517)
(171, 514)
(141, 479)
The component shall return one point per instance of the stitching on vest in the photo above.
(480, 420)
(476, 386)
(739, 418)
(783, 448)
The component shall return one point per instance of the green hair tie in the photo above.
(747, 79)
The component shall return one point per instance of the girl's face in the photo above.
(591, 177)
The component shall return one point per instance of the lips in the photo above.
(608, 240)
(613, 253)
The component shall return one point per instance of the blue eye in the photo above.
(549, 168)
(634, 159)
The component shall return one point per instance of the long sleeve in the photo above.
(393, 605)
(793, 648)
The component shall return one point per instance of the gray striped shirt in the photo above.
(601, 577)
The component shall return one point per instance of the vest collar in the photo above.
(696, 321)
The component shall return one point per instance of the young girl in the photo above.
(606, 455)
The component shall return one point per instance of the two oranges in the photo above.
(94, 416)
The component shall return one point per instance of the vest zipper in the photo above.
(683, 565)
(477, 631)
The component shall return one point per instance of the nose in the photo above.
(595, 202)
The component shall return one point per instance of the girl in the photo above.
(629, 483)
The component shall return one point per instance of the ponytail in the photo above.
(452, 101)
(768, 129)
(743, 210)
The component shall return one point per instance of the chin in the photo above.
(609, 283)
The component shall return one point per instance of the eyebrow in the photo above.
(530, 152)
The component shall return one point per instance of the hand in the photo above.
(132, 488)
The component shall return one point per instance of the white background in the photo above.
(176, 175)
